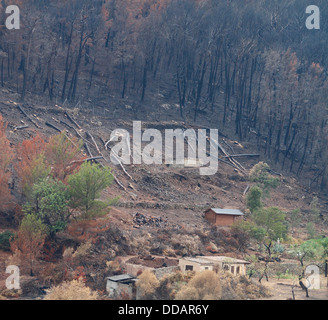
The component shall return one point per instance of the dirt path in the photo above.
(282, 290)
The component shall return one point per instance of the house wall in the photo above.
(224, 220)
(234, 268)
(219, 219)
(210, 216)
(134, 269)
(161, 272)
(197, 267)
(115, 289)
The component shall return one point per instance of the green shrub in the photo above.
(5, 238)
(49, 201)
(260, 174)
(254, 199)
(278, 248)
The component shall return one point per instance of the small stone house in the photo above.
(213, 263)
(121, 285)
(222, 217)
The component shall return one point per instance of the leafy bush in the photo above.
(278, 248)
(72, 290)
(49, 202)
(203, 286)
(147, 284)
(251, 229)
(5, 238)
(260, 174)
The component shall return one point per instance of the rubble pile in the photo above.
(141, 220)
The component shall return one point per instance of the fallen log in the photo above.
(119, 183)
(86, 160)
(94, 141)
(88, 150)
(66, 124)
(76, 132)
(275, 173)
(116, 157)
(53, 127)
(234, 163)
(90, 154)
(28, 117)
(237, 165)
(70, 118)
(226, 162)
(20, 128)
(108, 142)
(229, 146)
(246, 189)
(241, 155)
(121, 165)
(102, 141)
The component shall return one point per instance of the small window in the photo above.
(232, 269)
(238, 270)
(189, 268)
(206, 268)
(226, 267)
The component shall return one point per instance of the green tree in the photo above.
(273, 220)
(294, 218)
(314, 250)
(267, 225)
(85, 188)
(254, 199)
(254, 231)
(29, 239)
(49, 202)
(311, 250)
(34, 173)
(310, 230)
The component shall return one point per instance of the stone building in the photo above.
(121, 286)
(214, 263)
